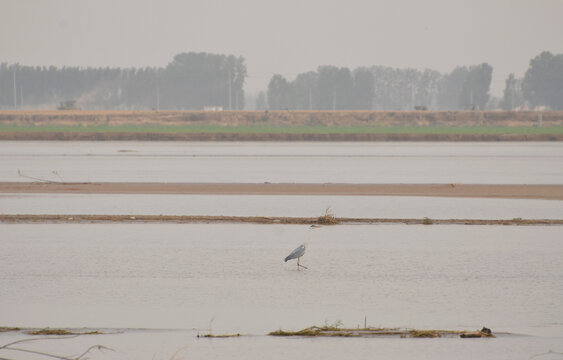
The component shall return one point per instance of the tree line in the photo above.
(381, 88)
(191, 81)
(541, 86)
(387, 88)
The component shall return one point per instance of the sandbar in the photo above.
(506, 191)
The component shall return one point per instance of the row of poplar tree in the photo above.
(386, 88)
(192, 81)
(381, 88)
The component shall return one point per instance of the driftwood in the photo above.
(11, 347)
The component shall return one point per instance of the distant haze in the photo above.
(286, 37)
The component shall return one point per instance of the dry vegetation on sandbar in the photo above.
(281, 118)
(334, 331)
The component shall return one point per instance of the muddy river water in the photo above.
(153, 287)
(275, 205)
(471, 163)
(232, 278)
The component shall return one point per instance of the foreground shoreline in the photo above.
(264, 220)
(504, 191)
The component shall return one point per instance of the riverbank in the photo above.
(281, 126)
(189, 219)
(287, 118)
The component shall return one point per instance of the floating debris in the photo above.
(219, 336)
(377, 332)
(9, 329)
(484, 332)
(49, 331)
(209, 219)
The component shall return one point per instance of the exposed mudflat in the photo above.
(187, 219)
(513, 191)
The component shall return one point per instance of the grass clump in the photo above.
(48, 331)
(9, 329)
(281, 332)
(333, 329)
(328, 218)
(310, 331)
(335, 326)
(219, 336)
(368, 332)
(424, 334)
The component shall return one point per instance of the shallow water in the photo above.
(490, 163)
(162, 345)
(287, 205)
(232, 277)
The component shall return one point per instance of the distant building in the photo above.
(212, 108)
(522, 108)
(542, 108)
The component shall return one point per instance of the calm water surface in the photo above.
(233, 278)
(287, 205)
(162, 345)
(177, 280)
(491, 163)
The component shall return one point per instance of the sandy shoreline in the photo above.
(546, 192)
(191, 219)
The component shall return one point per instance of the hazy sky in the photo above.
(283, 36)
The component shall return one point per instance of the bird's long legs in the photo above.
(299, 265)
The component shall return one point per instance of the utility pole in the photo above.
(21, 97)
(412, 94)
(511, 96)
(15, 93)
(157, 97)
(433, 100)
(230, 95)
(310, 99)
(334, 100)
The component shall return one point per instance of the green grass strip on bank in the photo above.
(264, 129)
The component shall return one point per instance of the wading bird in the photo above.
(300, 250)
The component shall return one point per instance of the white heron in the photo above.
(300, 250)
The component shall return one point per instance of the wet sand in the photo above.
(545, 192)
(181, 219)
